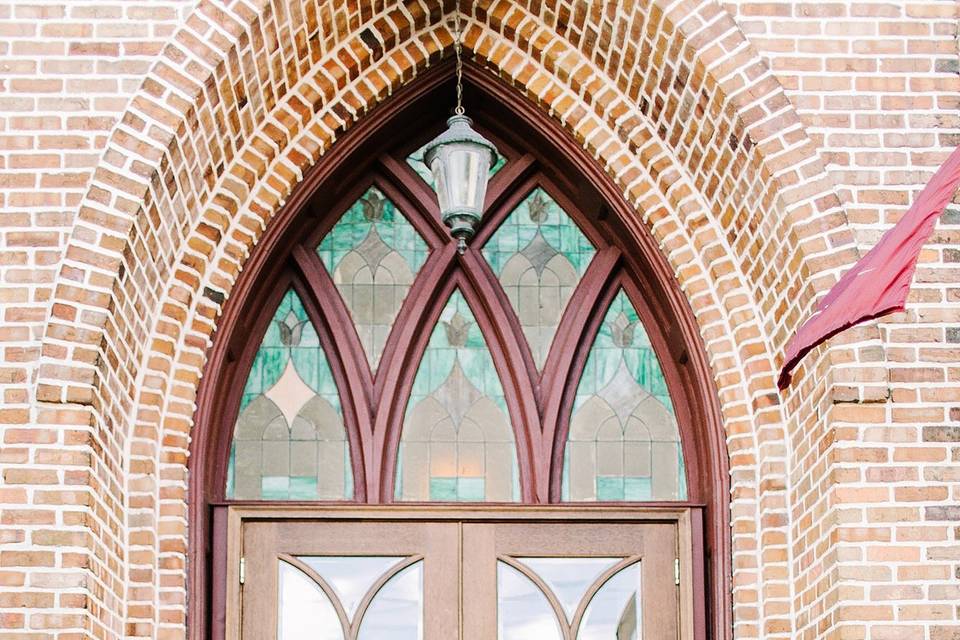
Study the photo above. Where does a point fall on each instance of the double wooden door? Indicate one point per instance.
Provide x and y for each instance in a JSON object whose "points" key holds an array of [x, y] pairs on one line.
{"points": [[487, 576]]}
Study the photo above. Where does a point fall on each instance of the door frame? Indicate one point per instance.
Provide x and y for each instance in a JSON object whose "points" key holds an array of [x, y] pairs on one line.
{"points": [[688, 520]]}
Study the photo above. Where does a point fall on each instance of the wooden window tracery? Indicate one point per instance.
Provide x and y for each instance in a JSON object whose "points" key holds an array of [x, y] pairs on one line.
{"points": [[456, 373]]}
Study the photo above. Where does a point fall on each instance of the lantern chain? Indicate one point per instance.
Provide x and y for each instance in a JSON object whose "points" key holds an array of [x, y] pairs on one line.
{"points": [[457, 50]]}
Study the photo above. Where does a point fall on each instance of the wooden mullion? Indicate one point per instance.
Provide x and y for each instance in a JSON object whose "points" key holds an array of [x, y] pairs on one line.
{"points": [[502, 207], [515, 366], [418, 198], [415, 303], [405, 348], [345, 356], [568, 357], [501, 189]]}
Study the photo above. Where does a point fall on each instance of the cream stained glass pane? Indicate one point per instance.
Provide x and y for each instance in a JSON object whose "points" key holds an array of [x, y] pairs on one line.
{"points": [[539, 255], [457, 442], [373, 254], [289, 441], [624, 442]]}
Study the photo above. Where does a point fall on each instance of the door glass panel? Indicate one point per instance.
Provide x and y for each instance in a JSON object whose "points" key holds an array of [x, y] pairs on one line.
{"points": [[396, 611], [289, 441], [373, 254], [624, 442], [523, 611], [569, 578], [305, 611], [539, 255], [614, 611], [457, 442], [350, 576], [415, 160]]}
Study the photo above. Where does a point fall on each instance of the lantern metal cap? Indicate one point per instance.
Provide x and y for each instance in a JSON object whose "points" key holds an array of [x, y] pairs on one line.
{"points": [[459, 129]]}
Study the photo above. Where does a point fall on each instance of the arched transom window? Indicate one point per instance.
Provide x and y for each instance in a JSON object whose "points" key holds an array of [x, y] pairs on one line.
{"points": [[386, 367]]}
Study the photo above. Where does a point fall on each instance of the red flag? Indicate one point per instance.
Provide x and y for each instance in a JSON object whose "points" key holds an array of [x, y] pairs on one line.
{"points": [[879, 283]]}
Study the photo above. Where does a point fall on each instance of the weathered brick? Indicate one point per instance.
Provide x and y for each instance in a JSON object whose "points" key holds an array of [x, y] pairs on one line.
{"points": [[941, 434]]}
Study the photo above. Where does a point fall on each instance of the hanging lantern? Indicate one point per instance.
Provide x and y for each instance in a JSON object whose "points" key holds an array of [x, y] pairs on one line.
{"points": [[460, 160]]}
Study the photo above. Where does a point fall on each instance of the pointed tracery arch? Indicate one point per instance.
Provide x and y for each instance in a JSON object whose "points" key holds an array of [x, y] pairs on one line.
{"points": [[467, 385]]}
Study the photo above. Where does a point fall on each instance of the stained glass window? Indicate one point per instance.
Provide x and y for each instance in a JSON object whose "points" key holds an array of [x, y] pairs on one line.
{"points": [[415, 160], [624, 443], [289, 441], [373, 254], [539, 254], [457, 441]]}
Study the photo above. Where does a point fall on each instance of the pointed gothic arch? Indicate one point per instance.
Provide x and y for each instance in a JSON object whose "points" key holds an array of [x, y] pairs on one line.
{"points": [[537, 401]]}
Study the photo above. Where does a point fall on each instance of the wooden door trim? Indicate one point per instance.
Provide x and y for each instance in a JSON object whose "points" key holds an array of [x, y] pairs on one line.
{"points": [[473, 512]]}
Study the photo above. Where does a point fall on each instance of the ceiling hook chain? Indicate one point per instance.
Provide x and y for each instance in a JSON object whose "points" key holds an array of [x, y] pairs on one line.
{"points": [[457, 48]]}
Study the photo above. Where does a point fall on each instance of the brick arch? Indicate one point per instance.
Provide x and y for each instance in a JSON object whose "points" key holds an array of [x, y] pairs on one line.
{"points": [[189, 181]]}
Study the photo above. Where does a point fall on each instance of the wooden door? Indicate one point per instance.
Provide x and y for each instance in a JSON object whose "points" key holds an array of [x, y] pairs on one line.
{"points": [[570, 581], [459, 574], [350, 580]]}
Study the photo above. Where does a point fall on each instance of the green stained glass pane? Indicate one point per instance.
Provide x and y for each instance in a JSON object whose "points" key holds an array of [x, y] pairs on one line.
{"points": [[415, 160], [457, 442], [624, 442], [637, 489], [539, 255], [274, 487], [609, 488], [470, 489], [303, 488], [289, 441], [373, 254], [618, 488], [443, 489], [456, 490]]}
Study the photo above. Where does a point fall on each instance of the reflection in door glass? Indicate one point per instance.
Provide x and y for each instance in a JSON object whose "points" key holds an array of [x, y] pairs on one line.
{"points": [[305, 611], [569, 578], [523, 611], [396, 612], [350, 576], [614, 612]]}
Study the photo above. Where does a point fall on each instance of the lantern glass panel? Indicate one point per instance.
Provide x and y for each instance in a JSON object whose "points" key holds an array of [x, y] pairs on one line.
{"points": [[461, 171]]}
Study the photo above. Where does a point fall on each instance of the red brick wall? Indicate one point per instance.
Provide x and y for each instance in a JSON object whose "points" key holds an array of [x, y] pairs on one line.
{"points": [[877, 88], [67, 72], [144, 146]]}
